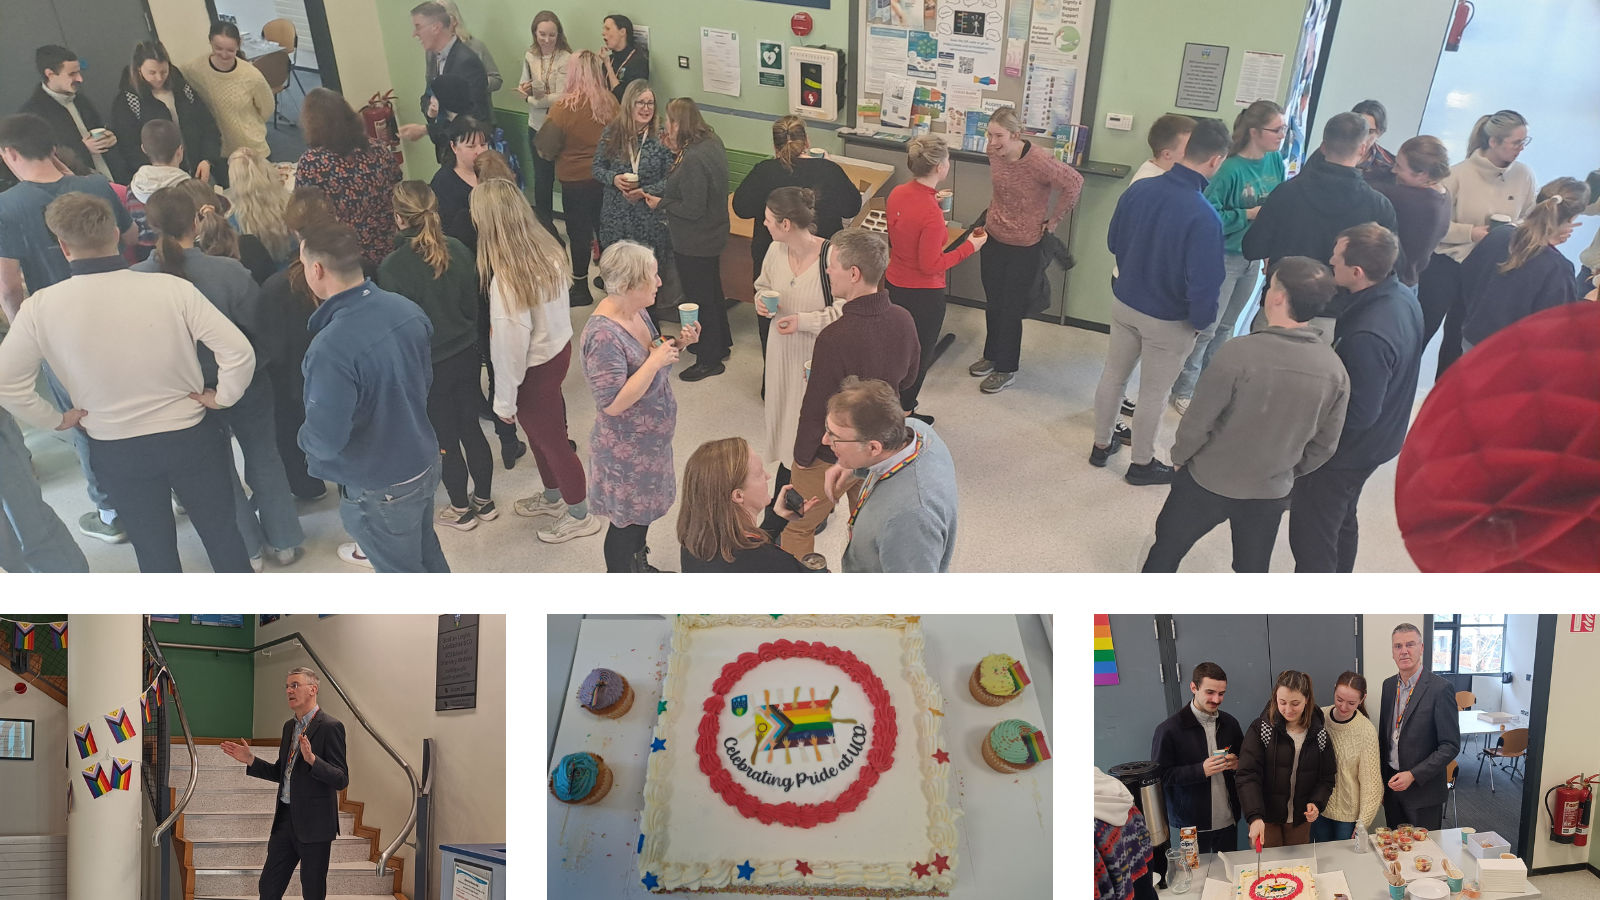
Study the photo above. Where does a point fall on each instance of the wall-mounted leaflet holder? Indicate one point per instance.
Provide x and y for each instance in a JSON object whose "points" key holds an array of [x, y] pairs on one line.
{"points": [[816, 83]]}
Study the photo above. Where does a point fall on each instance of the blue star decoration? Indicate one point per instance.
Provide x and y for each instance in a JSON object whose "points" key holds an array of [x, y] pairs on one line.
{"points": [[641, 845], [658, 744], [649, 880], [746, 870]]}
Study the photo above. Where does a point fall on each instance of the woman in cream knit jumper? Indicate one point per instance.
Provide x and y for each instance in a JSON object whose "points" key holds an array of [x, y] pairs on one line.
{"points": [[236, 93], [1358, 790]]}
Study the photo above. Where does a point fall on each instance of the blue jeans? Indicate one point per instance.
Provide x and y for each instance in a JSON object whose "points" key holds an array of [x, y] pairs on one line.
{"points": [[80, 440], [32, 537], [1238, 286], [1325, 829], [394, 525], [268, 515]]}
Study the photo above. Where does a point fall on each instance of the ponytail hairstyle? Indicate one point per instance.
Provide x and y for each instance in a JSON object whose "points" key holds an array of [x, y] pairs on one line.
{"points": [[789, 140], [796, 204], [171, 212], [214, 237], [516, 254], [1560, 202], [1254, 116], [1498, 126], [1299, 683], [925, 154], [490, 164], [416, 207], [1006, 117], [1355, 681], [587, 82]]}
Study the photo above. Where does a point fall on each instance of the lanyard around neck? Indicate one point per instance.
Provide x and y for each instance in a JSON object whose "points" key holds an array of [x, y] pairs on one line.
{"points": [[893, 470]]}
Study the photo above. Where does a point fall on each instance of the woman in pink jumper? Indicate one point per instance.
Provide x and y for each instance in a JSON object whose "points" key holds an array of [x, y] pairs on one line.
{"points": [[1012, 262]]}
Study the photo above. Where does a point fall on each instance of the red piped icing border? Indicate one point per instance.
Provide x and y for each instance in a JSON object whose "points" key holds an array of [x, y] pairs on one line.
{"points": [[880, 753]]}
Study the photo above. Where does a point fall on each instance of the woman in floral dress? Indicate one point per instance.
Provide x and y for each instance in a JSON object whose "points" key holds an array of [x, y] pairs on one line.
{"points": [[627, 363], [356, 174]]}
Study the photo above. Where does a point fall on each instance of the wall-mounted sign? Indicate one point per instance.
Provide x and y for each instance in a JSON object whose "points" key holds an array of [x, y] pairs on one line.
{"points": [[1200, 79], [456, 685]]}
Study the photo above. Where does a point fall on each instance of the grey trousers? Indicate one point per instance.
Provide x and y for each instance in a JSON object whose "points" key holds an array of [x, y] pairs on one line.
{"points": [[1238, 287], [1159, 348]]}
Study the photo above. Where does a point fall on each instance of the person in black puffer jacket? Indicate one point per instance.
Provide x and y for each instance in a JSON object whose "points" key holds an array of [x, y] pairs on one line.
{"points": [[153, 88], [1286, 765]]}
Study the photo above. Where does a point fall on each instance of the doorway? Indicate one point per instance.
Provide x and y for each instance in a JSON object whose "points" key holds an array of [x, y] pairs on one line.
{"points": [[298, 29]]}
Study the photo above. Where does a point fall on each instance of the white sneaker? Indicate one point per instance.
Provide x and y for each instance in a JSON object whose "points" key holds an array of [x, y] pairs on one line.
{"points": [[1181, 404], [537, 505], [566, 528], [459, 519], [258, 565], [351, 553]]}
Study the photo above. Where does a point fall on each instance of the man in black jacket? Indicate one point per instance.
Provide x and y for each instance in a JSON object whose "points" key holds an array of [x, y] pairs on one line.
{"points": [[431, 25], [1197, 750], [1379, 337], [1304, 215], [311, 771], [1419, 734], [72, 117]]}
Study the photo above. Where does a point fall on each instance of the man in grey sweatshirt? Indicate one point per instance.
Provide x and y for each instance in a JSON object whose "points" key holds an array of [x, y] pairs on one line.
{"points": [[905, 520], [1268, 409]]}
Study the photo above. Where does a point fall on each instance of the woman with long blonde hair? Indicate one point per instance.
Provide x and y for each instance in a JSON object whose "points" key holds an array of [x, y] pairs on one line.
{"points": [[631, 148], [569, 138], [1534, 275], [256, 191], [530, 346], [435, 272]]}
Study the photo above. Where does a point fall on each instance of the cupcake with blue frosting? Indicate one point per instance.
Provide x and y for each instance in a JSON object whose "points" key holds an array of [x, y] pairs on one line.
{"points": [[580, 779], [606, 693]]}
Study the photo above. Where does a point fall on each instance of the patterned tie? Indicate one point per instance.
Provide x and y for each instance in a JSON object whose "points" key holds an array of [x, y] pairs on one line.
{"points": [[294, 748]]}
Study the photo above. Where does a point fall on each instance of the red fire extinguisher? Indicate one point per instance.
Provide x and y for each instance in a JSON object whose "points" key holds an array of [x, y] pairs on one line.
{"points": [[1463, 14], [1569, 819], [378, 118]]}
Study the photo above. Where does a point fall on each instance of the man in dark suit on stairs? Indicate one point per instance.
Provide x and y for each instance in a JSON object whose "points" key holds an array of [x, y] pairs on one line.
{"points": [[311, 771]]}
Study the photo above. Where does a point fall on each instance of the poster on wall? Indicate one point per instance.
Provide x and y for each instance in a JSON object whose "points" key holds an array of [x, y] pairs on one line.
{"points": [[456, 676], [1259, 77], [233, 621], [1200, 77], [1047, 98], [173, 618], [885, 56], [267, 618], [769, 63], [1017, 24], [470, 882], [719, 61], [922, 56], [913, 14], [970, 33]]}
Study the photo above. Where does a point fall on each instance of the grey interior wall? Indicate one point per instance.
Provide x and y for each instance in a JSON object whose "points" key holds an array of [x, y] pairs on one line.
{"points": [[1522, 632], [1385, 51], [101, 32]]}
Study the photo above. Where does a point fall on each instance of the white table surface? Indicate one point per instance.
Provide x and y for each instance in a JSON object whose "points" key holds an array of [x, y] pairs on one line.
{"points": [[1362, 871], [1471, 724], [1004, 852]]}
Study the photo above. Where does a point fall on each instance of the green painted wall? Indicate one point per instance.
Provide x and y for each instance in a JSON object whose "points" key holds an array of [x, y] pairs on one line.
{"points": [[1141, 55], [218, 688]]}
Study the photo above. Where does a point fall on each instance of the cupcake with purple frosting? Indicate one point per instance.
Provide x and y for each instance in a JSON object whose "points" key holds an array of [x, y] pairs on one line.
{"points": [[606, 693]]}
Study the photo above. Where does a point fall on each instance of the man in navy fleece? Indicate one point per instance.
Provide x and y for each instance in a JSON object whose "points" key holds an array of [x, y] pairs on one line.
{"points": [[1168, 242], [367, 373]]}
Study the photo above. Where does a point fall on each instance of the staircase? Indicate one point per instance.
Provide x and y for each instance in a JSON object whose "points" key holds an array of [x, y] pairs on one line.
{"points": [[221, 838]]}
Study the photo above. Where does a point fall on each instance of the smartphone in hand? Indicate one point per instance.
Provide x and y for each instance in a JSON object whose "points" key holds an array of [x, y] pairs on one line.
{"points": [[793, 500]]}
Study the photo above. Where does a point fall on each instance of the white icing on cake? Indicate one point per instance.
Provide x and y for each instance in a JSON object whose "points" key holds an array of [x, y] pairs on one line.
{"points": [[1282, 889], [694, 840]]}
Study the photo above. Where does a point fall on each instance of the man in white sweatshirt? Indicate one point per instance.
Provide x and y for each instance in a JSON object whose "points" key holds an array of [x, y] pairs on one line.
{"points": [[122, 344]]}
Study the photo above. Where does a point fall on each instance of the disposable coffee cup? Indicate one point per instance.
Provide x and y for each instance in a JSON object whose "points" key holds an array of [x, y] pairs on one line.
{"points": [[769, 302], [98, 132], [816, 153], [688, 314], [808, 370], [630, 179]]}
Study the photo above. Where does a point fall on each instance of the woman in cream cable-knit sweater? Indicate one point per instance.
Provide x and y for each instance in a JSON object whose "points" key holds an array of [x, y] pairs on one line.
{"points": [[1358, 792]]}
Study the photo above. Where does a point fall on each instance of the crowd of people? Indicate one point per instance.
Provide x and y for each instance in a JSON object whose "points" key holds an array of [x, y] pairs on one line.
{"points": [[346, 329]]}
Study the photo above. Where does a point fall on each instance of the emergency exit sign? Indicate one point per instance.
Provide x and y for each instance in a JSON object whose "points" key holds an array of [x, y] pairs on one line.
{"points": [[1582, 623]]}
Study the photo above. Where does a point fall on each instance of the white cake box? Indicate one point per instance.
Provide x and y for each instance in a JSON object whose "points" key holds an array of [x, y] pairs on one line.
{"points": [[1495, 718], [1487, 845]]}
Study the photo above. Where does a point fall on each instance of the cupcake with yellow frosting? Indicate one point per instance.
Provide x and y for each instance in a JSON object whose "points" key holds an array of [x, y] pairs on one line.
{"points": [[581, 779], [1014, 746], [997, 679]]}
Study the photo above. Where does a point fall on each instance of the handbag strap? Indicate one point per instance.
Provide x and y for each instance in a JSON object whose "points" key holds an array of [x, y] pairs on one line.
{"points": [[822, 273]]}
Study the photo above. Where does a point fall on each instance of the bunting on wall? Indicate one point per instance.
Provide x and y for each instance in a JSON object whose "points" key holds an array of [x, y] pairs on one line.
{"points": [[121, 774], [59, 629], [1105, 655], [22, 635], [85, 737], [120, 726], [98, 781]]}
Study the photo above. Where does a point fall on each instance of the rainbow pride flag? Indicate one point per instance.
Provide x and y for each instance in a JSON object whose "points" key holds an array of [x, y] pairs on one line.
{"points": [[799, 724], [1019, 676], [1034, 743], [121, 774], [120, 725], [98, 781], [85, 736], [1105, 652], [147, 710], [22, 635], [59, 629]]}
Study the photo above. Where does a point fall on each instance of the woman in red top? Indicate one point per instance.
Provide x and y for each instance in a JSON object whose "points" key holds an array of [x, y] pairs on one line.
{"points": [[917, 258]]}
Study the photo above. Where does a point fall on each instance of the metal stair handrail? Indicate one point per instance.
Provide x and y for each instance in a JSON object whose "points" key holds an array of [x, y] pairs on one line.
{"points": [[416, 789], [153, 647]]}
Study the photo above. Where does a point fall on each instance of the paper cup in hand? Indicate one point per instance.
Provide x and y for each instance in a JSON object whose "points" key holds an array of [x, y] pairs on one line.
{"points": [[808, 370], [630, 179], [946, 200], [688, 314], [817, 153], [768, 301]]}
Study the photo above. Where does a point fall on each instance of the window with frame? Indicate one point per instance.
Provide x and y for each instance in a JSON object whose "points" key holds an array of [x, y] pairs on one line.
{"points": [[16, 739], [1469, 643]]}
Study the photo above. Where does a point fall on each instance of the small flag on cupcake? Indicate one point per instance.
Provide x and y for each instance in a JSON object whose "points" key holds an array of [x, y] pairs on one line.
{"points": [[1033, 743]]}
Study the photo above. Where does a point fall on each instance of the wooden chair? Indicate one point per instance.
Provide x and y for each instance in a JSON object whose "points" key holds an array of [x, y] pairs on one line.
{"points": [[1465, 699], [1450, 773], [1513, 745], [282, 32], [274, 67]]}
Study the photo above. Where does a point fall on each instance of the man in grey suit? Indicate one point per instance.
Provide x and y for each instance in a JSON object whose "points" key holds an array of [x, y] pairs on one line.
{"points": [[1418, 734]]}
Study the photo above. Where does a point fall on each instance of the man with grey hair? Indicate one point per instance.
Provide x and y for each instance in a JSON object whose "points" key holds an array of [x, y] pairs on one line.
{"points": [[1418, 734], [311, 771], [872, 338]]}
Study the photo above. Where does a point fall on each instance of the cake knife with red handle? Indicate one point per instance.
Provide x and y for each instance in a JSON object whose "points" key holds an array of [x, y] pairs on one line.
{"points": [[1258, 857]]}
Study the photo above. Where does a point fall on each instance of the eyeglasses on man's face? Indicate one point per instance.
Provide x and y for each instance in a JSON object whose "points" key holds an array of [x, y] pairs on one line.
{"points": [[835, 439]]}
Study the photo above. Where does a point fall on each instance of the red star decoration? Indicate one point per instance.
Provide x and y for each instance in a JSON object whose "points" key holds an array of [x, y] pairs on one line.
{"points": [[920, 870], [801, 867], [941, 862], [942, 755]]}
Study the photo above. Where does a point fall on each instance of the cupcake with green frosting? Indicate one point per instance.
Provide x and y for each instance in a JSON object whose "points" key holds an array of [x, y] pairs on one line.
{"points": [[997, 679], [1014, 746], [580, 779]]}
